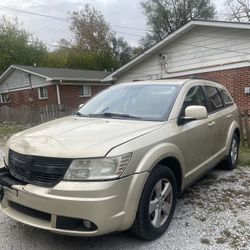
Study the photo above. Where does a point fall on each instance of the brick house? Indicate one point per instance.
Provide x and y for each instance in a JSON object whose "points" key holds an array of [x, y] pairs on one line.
{"points": [[218, 51], [39, 86]]}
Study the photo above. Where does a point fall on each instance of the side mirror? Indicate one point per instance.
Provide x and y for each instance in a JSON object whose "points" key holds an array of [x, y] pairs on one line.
{"points": [[193, 113], [196, 112]]}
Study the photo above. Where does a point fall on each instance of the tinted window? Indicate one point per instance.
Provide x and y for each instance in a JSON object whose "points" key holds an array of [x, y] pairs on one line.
{"points": [[142, 101], [194, 96], [226, 97], [214, 98]]}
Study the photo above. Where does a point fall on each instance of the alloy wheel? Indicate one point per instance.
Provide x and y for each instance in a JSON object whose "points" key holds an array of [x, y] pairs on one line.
{"points": [[234, 151], [160, 202]]}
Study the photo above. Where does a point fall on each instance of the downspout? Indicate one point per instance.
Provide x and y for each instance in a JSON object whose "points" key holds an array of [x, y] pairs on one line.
{"points": [[32, 95], [58, 93]]}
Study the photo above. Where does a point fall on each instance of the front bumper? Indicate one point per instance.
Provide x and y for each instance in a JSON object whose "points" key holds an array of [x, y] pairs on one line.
{"points": [[110, 205]]}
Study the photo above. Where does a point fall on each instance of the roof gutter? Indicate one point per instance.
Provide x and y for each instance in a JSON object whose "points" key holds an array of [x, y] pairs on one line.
{"points": [[75, 79]]}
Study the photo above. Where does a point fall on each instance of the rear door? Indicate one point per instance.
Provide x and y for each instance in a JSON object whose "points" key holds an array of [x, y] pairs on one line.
{"points": [[216, 114], [229, 114]]}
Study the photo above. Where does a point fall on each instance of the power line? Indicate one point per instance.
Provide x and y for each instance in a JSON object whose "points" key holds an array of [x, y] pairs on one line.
{"points": [[223, 49], [35, 14], [129, 27], [148, 53], [130, 34], [67, 20]]}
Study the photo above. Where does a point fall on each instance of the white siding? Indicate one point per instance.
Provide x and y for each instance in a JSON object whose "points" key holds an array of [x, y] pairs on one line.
{"points": [[19, 80], [200, 48]]}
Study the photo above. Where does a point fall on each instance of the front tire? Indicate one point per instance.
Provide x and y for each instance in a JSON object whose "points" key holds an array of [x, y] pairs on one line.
{"points": [[157, 204]]}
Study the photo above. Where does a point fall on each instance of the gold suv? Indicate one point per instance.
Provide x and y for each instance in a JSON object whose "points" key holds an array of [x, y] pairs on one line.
{"points": [[121, 160]]}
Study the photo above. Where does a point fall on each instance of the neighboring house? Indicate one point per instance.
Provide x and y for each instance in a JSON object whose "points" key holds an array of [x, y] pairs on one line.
{"points": [[219, 51], [38, 86]]}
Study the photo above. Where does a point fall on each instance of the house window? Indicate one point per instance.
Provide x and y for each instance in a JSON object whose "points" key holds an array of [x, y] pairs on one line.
{"points": [[43, 93], [85, 91], [5, 97]]}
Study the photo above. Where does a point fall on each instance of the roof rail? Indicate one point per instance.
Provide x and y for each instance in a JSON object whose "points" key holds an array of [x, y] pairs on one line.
{"points": [[201, 78]]}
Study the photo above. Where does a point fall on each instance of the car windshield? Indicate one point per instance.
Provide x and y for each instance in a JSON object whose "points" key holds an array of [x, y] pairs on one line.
{"points": [[138, 102]]}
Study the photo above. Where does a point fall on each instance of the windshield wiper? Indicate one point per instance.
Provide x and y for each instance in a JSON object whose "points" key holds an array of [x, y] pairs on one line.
{"points": [[118, 115]]}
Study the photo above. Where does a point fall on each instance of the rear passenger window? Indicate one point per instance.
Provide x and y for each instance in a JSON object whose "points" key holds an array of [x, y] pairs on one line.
{"points": [[215, 101], [226, 97], [194, 96]]}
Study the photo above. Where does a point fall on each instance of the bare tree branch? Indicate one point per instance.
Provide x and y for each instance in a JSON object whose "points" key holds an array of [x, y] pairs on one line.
{"points": [[240, 10]]}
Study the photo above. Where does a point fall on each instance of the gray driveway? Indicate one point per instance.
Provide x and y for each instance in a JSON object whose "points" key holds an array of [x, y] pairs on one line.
{"points": [[213, 214]]}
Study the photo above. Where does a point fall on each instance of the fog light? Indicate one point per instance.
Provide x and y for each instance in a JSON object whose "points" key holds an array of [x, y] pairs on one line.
{"points": [[75, 224], [1, 192], [87, 224]]}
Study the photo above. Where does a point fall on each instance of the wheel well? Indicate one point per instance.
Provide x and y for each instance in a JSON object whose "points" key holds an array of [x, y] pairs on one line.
{"points": [[173, 164], [237, 132]]}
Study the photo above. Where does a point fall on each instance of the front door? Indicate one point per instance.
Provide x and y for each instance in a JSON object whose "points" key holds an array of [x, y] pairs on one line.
{"points": [[194, 139]]}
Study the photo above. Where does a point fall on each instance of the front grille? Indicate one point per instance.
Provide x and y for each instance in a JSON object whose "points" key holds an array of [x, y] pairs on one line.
{"points": [[30, 211], [41, 171]]}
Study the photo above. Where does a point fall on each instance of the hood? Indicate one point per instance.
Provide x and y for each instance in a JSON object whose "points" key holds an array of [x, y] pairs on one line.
{"points": [[78, 137]]}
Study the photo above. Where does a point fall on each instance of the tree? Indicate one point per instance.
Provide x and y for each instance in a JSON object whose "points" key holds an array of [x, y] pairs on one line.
{"points": [[240, 10], [17, 46], [93, 35], [75, 58], [166, 16], [121, 50], [90, 29]]}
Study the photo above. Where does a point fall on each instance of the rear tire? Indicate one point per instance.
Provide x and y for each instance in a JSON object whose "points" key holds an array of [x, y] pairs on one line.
{"points": [[157, 204], [231, 161]]}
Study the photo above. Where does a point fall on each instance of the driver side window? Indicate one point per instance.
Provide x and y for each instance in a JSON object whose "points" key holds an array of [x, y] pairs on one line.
{"points": [[194, 96]]}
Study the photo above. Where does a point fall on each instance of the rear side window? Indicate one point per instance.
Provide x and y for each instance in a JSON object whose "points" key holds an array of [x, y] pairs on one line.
{"points": [[214, 99], [194, 96], [226, 97]]}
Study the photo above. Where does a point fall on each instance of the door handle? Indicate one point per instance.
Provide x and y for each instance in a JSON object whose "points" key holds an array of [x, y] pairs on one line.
{"points": [[210, 124], [228, 116]]}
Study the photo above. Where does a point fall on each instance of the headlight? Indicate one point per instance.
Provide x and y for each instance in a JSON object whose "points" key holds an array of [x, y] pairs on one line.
{"points": [[97, 169]]}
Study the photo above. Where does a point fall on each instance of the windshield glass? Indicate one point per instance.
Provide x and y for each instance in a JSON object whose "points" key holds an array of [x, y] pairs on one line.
{"points": [[139, 102]]}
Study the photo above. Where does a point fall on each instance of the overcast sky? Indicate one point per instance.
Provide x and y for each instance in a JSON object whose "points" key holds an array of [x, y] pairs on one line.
{"points": [[117, 12]]}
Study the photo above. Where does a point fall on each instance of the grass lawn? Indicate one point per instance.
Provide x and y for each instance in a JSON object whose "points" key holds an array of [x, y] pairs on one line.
{"points": [[6, 130], [244, 156]]}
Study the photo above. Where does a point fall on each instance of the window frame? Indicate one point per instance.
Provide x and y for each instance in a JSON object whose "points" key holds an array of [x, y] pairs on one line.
{"points": [[209, 108], [82, 94], [39, 93], [187, 91], [226, 104]]}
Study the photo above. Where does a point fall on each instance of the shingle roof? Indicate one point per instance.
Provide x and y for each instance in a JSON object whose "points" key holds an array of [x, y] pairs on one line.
{"points": [[65, 74]]}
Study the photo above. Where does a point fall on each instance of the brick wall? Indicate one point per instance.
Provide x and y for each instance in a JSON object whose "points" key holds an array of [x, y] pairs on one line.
{"points": [[235, 80], [70, 96], [30, 97]]}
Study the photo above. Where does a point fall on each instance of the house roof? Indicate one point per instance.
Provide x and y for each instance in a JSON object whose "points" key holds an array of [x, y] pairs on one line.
{"points": [[170, 38], [57, 74]]}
